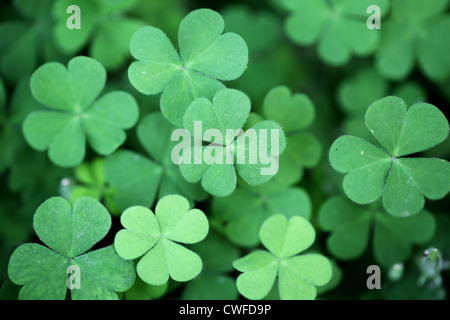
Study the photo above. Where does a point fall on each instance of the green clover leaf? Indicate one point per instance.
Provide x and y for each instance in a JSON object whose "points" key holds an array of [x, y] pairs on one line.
{"points": [[338, 26], [298, 275], [104, 25], [70, 231], [149, 177], [245, 154], [402, 182], [243, 212], [155, 237], [350, 226], [77, 115], [426, 43], [206, 56]]}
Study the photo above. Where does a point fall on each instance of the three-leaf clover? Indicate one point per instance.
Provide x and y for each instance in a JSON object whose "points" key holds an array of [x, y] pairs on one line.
{"points": [[253, 154], [297, 274], [206, 56], [402, 182], [418, 32], [77, 115], [69, 232], [351, 227], [155, 237], [149, 178], [103, 24], [338, 26], [243, 212]]}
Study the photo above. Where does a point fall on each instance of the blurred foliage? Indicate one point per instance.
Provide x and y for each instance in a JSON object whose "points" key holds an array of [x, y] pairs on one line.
{"points": [[313, 66]]}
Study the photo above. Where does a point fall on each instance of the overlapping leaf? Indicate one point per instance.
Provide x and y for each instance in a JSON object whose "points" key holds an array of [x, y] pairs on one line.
{"points": [[149, 178], [295, 113], [252, 154]]}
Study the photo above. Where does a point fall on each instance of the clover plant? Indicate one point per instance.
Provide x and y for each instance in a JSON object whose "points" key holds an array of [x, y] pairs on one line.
{"points": [[247, 153], [402, 182], [69, 232], [174, 150], [156, 236], [76, 113], [297, 274]]}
